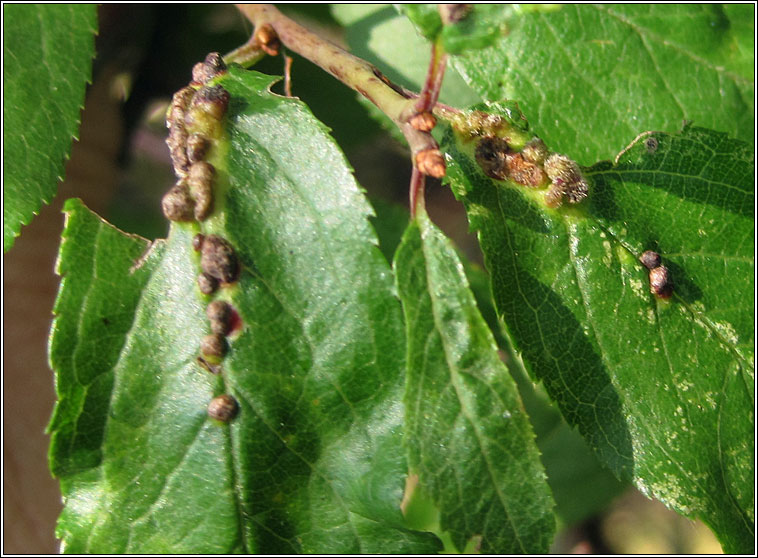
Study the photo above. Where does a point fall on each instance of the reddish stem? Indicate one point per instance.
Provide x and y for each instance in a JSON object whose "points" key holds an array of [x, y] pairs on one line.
{"points": [[431, 91], [418, 180], [426, 102]]}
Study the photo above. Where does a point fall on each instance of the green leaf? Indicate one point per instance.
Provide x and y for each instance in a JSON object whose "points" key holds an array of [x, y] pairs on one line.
{"points": [[84, 351], [389, 222], [581, 486], [379, 34], [589, 77], [469, 440], [476, 25], [47, 53], [478, 28], [314, 460], [661, 389]]}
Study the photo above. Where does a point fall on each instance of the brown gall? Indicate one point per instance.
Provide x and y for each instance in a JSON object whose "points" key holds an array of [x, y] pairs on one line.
{"points": [[177, 204], [207, 284], [218, 259], [220, 315], [650, 259], [223, 408], [660, 282], [490, 154], [213, 347], [431, 163]]}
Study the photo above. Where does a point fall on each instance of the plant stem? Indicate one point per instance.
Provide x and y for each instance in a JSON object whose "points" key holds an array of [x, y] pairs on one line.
{"points": [[426, 103], [431, 91], [416, 191], [246, 55], [287, 75], [350, 70], [394, 101]]}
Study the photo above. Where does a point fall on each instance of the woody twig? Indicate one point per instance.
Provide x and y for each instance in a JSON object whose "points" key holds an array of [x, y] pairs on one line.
{"points": [[412, 113]]}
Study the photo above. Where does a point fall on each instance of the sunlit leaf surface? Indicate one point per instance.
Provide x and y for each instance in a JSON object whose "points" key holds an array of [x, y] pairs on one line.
{"points": [[314, 460], [662, 389]]}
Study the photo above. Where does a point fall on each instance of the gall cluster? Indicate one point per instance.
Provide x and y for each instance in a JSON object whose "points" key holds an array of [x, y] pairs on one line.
{"points": [[193, 119], [534, 167], [194, 122]]}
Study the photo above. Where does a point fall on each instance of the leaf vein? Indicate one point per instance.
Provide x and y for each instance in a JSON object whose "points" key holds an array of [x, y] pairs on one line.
{"points": [[469, 416]]}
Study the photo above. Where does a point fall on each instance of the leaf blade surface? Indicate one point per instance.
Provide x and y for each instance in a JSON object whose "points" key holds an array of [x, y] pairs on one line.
{"points": [[646, 380], [591, 76], [48, 59], [470, 441], [313, 462]]}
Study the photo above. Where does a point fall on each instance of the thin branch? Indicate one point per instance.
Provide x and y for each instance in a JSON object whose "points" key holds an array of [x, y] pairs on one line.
{"points": [[416, 191], [429, 162], [394, 101], [431, 92], [350, 70]]}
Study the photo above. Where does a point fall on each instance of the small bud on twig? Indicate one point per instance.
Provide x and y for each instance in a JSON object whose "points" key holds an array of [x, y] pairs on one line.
{"points": [[267, 39], [423, 121], [431, 163]]}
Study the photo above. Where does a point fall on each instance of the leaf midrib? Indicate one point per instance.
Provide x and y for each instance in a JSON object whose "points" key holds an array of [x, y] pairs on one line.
{"points": [[454, 372]]}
